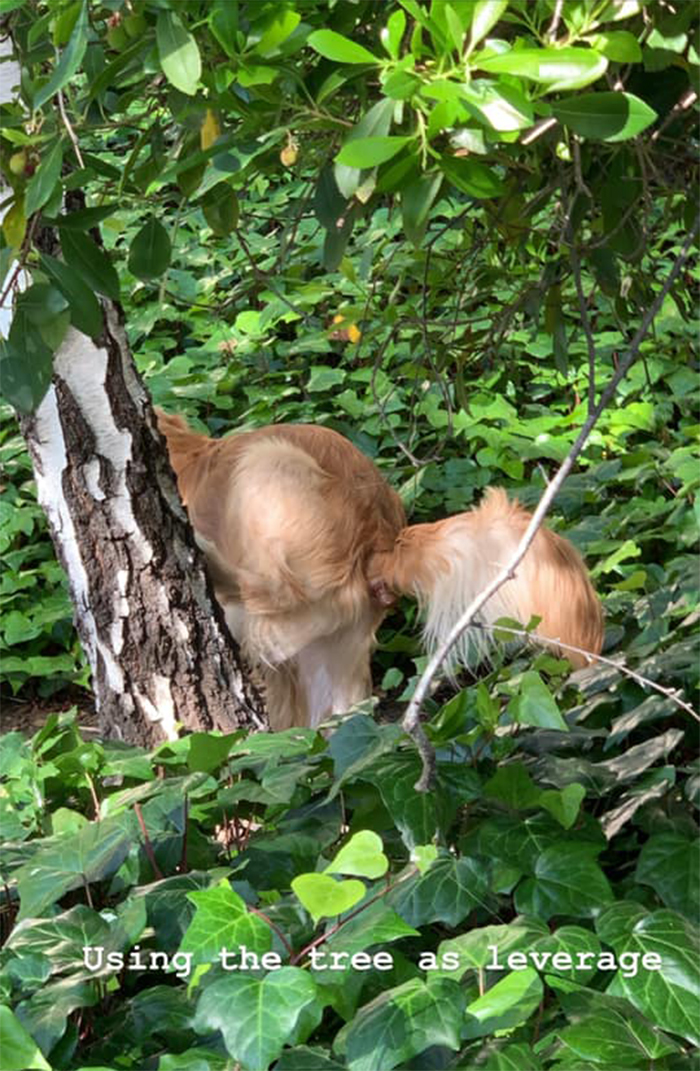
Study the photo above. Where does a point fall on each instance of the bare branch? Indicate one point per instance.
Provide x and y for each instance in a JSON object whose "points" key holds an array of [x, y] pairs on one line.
{"points": [[556, 19], [411, 720], [671, 694], [69, 129]]}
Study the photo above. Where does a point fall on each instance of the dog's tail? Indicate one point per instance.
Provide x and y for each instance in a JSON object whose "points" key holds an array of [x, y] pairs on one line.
{"points": [[445, 565]]}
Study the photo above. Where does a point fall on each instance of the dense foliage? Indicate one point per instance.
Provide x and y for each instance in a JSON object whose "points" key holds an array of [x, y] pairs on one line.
{"points": [[431, 229]]}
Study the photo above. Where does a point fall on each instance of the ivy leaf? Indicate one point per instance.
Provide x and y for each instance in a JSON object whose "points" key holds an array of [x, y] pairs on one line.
{"points": [[474, 950], [506, 1005], [150, 251], [362, 856], [403, 1022], [536, 705], [669, 863], [282, 1008], [178, 53], [564, 805], [334, 46], [70, 60], [303, 1058], [66, 862], [567, 881], [374, 925], [20, 1051], [513, 785], [447, 892], [324, 897], [605, 116], [667, 996], [607, 1031], [46, 1012], [222, 920]]}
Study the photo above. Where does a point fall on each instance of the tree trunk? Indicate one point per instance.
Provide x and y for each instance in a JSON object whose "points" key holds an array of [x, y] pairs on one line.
{"points": [[160, 652]]}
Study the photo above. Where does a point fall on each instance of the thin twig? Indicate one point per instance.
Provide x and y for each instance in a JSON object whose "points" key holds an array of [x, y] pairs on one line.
{"points": [[276, 929], [686, 101], [585, 318], [411, 721], [69, 129], [556, 19], [147, 843], [545, 641], [541, 127]]}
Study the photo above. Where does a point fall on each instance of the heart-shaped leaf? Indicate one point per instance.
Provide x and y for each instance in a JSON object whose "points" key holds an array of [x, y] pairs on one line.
{"points": [[361, 856], [324, 897]]}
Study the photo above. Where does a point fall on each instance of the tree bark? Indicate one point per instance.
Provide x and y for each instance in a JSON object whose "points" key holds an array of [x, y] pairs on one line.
{"points": [[160, 653]]}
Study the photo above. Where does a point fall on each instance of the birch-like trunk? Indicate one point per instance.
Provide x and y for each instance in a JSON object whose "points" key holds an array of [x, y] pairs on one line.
{"points": [[159, 650]]}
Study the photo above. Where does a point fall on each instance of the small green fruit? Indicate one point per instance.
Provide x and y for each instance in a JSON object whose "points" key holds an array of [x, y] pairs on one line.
{"points": [[135, 24], [18, 162]]}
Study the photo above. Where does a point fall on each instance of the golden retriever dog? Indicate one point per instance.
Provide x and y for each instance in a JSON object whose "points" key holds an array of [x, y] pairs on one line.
{"points": [[307, 547]]}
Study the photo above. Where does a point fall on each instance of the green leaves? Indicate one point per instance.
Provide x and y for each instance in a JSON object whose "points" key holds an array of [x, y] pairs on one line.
{"points": [[485, 15], [605, 116], [19, 1050], [324, 897], [93, 265], [220, 207], [535, 705], [557, 69], [471, 177], [282, 1008], [70, 60], [506, 1005], [666, 992], [85, 311], [150, 251], [43, 182], [402, 1023], [361, 856], [567, 881], [222, 921], [334, 46], [178, 53], [92, 854], [669, 863], [369, 152]]}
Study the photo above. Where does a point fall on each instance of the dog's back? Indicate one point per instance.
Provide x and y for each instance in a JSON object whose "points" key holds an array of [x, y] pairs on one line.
{"points": [[290, 517]]}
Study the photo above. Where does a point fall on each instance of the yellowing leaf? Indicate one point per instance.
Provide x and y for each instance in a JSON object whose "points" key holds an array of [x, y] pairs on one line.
{"points": [[209, 130], [15, 224]]}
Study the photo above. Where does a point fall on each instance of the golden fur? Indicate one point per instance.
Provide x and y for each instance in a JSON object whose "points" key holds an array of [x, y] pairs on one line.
{"points": [[308, 545]]}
